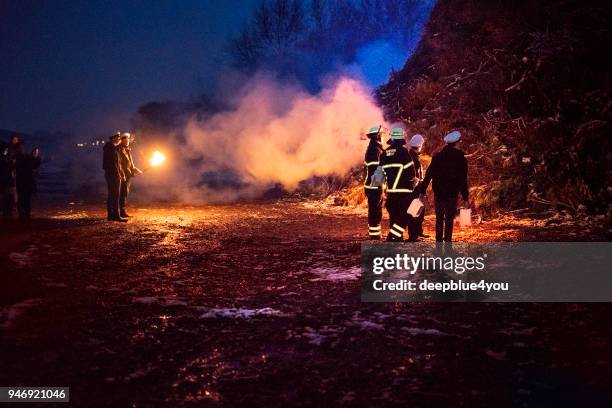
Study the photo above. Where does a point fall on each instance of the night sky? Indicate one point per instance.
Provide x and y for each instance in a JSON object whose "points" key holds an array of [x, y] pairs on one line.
{"points": [[73, 65]]}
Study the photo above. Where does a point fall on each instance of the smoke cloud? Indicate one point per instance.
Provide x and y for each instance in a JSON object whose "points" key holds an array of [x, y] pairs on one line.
{"points": [[271, 134]]}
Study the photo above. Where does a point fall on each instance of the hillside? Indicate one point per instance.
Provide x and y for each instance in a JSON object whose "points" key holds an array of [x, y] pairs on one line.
{"points": [[528, 82]]}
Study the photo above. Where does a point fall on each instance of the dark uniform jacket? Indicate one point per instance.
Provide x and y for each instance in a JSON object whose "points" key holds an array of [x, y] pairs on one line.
{"points": [[398, 165], [126, 162], [372, 159], [14, 149], [448, 170], [417, 165], [8, 159], [6, 167], [111, 162], [26, 172]]}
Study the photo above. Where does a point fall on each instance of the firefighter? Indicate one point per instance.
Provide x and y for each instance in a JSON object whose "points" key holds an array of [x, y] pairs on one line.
{"points": [[26, 172], [114, 177], [373, 192], [448, 171], [416, 224], [399, 170], [129, 170]]}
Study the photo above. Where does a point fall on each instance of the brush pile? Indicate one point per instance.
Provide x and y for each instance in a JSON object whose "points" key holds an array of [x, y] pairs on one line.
{"points": [[528, 83]]}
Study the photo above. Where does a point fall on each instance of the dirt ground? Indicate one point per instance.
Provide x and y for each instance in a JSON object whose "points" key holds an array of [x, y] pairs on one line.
{"points": [[258, 305]]}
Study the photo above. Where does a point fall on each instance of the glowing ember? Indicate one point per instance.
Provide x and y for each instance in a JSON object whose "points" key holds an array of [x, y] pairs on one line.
{"points": [[157, 159]]}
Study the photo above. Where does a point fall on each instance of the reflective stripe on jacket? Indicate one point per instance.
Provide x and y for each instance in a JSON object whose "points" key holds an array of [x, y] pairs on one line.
{"points": [[399, 168], [371, 162]]}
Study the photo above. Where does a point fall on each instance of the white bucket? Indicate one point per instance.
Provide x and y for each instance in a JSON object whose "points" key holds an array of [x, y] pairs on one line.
{"points": [[416, 208], [465, 217]]}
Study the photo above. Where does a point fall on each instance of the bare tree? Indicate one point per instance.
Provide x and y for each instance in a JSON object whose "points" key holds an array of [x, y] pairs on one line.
{"points": [[281, 29], [245, 49], [274, 31]]}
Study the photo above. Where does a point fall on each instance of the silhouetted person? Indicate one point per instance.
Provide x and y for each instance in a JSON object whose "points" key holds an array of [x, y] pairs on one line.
{"points": [[448, 170], [15, 145], [26, 174], [114, 177], [6, 181], [129, 170], [8, 158]]}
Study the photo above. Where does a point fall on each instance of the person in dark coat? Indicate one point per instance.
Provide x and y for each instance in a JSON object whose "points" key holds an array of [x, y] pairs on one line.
{"points": [[26, 174], [129, 170], [400, 174], [372, 192], [114, 177], [7, 183], [15, 146], [448, 171], [8, 158]]}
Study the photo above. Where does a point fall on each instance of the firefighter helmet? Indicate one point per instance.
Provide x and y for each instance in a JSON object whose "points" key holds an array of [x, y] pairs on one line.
{"points": [[417, 140], [374, 129], [397, 134]]}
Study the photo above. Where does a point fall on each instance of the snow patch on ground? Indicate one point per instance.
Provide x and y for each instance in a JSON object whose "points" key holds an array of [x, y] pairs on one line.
{"points": [[500, 356], [157, 300], [313, 336], [25, 258], [317, 337], [415, 331], [241, 313], [366, 324], [335, 274], [9, 314], [140, 373], [529, 331]]}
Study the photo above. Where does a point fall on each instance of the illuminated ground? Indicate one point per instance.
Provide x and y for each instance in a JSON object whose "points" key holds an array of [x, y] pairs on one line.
{"points": [[259, 305]]}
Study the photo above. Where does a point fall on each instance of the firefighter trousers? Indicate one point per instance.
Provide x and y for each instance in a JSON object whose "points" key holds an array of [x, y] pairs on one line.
{"points": [[397, 206], [374, 212], [418, 224], [415, 224]]}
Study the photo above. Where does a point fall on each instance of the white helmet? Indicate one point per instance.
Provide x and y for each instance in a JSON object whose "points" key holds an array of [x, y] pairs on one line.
{"points": [[453, 137], [416, 140]]}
